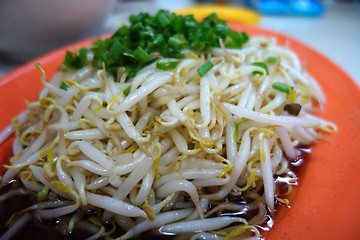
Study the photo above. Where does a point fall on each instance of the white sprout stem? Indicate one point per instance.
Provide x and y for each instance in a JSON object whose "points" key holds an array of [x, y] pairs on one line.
{"points": [[38, 174], [141, 76], [205, 236], [208, 224], [83, 105], [114, 205], [88, 134], [135, 176], [192, 173], [72, 125], [161, 220], [286, 142], [211, 181], [180, 115], [27, 152], [267, 173], [80, 183], [239, 164], [57, 212], [276, 158], [98, 183], [144, 189], [96, 155], [177, 186], [62, 175], [245, 95], [286, 121], [231, 146], [130, 129], [204, 101], [6, 133], [158, 79], [180, 142], [128, 167], [91, 166], [276, 102]]}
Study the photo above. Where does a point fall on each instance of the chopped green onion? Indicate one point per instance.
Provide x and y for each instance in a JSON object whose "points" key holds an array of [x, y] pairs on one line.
{"points": [[178, 23], [43, 193], [222, 28], [142, 55], [177, 41], [163, 19], [159, 41], [74, 61], [282, 87], [64, 86], [238, 39], [203, 69], [262, 65], [127, 90], [271, 60], [166, 64], [116, 50], [131, 47]]}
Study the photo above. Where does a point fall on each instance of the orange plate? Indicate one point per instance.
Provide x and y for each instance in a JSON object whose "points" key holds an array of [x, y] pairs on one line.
{"points": [[326, 203]]}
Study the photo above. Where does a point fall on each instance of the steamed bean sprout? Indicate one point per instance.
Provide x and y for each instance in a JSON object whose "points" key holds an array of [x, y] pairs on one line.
{"points": [[171, 150]]}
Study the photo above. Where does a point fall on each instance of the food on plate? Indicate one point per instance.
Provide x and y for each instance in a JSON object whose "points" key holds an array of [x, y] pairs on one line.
{"points": [[169, 128]]}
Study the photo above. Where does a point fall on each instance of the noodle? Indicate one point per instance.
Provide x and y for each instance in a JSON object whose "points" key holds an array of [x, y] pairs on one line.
{"points": [[172, 150]]}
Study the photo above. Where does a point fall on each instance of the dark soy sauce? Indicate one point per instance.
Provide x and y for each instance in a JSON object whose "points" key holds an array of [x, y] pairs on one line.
{"points": [[44, 230]]}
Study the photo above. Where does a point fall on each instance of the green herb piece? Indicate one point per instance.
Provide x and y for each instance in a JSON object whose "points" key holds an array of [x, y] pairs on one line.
{"points": [[203, 69], [166, 33], [141, 55], [237, 39], [74, 61], [282, 87], [64, 86], [163, 19], [262, 65], [271, 60], [127, 90], [166, 64], [177, 41], [43, 193], [116, 51]]}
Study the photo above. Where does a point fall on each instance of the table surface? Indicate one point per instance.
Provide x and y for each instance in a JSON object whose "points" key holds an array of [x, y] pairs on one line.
{"points": [[336, 34]]}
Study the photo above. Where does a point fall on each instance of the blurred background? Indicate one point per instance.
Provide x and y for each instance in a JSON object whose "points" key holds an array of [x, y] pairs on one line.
{"points": [[29, 30]]}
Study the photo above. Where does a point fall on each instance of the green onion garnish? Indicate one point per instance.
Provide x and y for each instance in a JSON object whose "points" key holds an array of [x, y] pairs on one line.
{"points": [[177, 41], [282, 87], [74, 61], [271, 60], [142, 55], [163, 19], [262, 65], [43, 193], [203, 69], [165, 33], [64, 86], [166, 64], [127, 90]]}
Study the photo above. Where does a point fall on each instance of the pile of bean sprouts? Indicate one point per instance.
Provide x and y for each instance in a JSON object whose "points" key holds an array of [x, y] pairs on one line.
{"points": [[178, 155]]}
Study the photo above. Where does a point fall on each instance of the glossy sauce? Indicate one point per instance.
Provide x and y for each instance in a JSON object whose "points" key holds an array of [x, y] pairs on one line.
{"points": [[40, 230]]}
